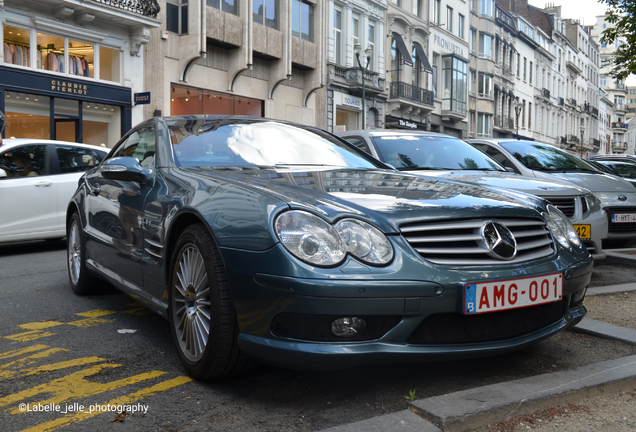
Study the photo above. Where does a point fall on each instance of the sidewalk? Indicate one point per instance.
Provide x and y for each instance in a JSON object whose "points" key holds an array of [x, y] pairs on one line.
{"points": [[479, 407]]}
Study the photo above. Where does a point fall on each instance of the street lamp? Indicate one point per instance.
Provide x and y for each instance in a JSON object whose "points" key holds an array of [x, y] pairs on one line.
{"points": [[367, 52], [517, 106]]}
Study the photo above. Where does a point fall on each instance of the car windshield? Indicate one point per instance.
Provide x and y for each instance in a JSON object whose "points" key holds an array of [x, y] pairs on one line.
{"points": [[543, 157], [250, 143], [413, 152]]}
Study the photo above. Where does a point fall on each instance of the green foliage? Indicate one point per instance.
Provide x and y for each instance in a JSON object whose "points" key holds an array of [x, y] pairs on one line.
{"points": [[622, 28], [411, 396]]}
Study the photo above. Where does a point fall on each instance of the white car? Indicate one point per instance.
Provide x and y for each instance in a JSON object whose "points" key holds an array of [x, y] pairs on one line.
{"points": [[37, 180]]}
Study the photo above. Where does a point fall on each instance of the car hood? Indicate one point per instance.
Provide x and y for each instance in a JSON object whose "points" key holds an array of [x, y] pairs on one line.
{"points": [[498, 179], [593, 182], [386, 198]]}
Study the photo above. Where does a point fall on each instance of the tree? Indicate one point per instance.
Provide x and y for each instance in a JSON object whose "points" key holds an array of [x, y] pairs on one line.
{"points": [[622, 29]]}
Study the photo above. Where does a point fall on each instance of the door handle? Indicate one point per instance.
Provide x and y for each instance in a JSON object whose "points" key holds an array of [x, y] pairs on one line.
{"points": [[43, 184]]}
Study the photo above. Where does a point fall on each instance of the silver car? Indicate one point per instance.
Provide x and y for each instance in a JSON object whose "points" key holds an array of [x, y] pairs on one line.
{"points": [[445, 156], [532, 158]]}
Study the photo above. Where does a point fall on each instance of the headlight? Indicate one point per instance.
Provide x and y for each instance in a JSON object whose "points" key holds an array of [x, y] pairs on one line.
{"points": [[310, 238], [593, 203], [313, 240], [365, 241], [561, 228]]}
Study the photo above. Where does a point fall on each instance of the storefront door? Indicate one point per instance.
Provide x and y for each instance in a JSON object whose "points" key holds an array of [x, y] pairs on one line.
{"points": [[66, 130]]}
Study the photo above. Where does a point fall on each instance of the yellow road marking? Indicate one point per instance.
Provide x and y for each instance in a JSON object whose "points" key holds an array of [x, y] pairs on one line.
{"points": [[96, 313], [89, 322], [123, 400], [21, 351], [139, 309], [39, 325], [75, 386], [29, 336], [16, 369]]}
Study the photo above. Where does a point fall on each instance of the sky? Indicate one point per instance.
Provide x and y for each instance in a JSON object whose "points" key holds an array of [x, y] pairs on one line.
{"points": [[585, 10]]}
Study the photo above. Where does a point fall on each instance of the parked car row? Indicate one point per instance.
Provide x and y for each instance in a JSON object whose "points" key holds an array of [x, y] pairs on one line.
{"points": [[269, 241]]}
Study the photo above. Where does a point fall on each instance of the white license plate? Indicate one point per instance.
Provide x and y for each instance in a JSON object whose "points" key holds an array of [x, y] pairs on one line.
{"points": [[512, 294], [624, 218]]}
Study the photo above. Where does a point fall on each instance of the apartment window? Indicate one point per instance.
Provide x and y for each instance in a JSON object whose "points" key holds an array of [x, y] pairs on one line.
{"points": [[454, 95], [485, 46], [603, 80], [355, 29], [437, 6], [265, 12], [435, 63], [485, 85], [473, 41], [472, 77], [518, 64], [530, 72], [460, 26], [486, 7], [303, 20], [417, 9], [396, 61], [529, 115], [449, 19], [371, 43], [523, 114], [474, 5], [337, 35], [177, 16], [229, 6], [471, 122], [483, 125], [525, 61]]}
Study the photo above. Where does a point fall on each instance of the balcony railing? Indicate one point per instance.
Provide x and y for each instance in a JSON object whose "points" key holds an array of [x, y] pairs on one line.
{"points": [[561, 101], [546, 93], [149, 8], [507, 71], [410, 92], [563, 140], [619, 125], [573, 139], [595, 143], [572, 102]]}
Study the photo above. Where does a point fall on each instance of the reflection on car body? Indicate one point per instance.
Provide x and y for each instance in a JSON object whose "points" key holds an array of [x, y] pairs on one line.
{"points": [[299, 250]]}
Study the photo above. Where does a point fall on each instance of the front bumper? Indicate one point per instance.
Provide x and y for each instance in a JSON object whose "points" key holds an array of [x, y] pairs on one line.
{"points": [[274, 310]]}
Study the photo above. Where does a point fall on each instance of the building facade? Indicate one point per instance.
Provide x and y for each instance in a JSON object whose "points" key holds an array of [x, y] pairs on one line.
{"points": [[69, 70]]}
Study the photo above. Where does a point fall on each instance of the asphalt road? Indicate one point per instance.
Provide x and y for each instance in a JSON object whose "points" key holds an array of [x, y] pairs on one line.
{"points": [[66, 352]]}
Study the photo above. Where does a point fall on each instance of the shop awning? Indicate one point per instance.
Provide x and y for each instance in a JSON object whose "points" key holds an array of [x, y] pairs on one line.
{"points": [[422, 56], [404, 52]]}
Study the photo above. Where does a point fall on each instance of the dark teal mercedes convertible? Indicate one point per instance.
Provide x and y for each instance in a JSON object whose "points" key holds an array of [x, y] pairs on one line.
{"points": [[268, 241]]}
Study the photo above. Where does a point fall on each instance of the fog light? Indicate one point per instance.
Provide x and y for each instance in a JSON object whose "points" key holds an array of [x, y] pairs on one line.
{"points": [[348, 327]]}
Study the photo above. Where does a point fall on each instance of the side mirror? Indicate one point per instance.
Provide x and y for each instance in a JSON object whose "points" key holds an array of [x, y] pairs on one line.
{"points": [[125, 169], [3, 173]]}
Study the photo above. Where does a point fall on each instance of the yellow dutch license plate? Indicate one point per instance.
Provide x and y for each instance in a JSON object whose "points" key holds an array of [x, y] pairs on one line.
{"points": [[584, 231]]}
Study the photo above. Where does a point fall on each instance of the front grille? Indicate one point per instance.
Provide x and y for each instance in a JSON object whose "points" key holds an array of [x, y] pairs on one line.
{"points": [[460, 242], [318, 327], [620, 228], [584, 206], [457, 328], [567, 205]]}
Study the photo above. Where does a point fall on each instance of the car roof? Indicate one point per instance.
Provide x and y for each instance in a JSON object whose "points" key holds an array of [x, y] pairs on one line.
{"points": [[8, 143]]}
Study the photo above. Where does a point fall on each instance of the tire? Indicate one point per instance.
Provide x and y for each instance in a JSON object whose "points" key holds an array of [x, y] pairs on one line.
{"points": [[82, 282], [201, 310]]}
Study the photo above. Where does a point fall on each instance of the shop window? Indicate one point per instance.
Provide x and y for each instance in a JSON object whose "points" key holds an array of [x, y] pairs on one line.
{"points": [[101, 124], [265, 12], [229, 6], [27, 115], [177, 16], [303, 20], [50, 55], [109, 64], [190, 100], [16, 46], [454, 83], [80, 58]]}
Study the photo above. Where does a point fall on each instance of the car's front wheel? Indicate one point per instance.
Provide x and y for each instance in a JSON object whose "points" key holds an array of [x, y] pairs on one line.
{"points": [[201, 311], [82, 282]]}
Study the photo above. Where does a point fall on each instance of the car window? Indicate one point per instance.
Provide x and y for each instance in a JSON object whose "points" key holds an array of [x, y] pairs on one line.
{"points": [[259, 143], [544, 157], [625, 170], [77, 159], [141, 145], [25, 161], [409, 151], [358, 142]]}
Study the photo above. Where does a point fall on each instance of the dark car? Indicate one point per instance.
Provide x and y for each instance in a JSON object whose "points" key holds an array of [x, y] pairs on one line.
{"points": [[263, 240]]}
